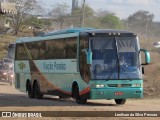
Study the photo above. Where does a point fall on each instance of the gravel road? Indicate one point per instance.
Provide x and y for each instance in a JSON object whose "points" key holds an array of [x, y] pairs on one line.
{"points": [[14, 100]]}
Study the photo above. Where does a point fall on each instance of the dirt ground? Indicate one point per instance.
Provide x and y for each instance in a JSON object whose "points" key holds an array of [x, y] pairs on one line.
{"points": [[14, 100]]}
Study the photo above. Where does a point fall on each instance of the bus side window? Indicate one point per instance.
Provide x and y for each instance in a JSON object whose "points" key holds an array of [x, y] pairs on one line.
{"points": [[32, 49], [59, 50], [40, 50], [36, 50], [49, 54], [20, 52], [71, 48]]}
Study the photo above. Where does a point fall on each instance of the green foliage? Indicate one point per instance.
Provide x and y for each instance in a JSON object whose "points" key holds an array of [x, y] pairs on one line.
{"points": [[140, 20], [104, 19], [37, 22], [93, 22], [60, 13], [89, 17], [111, 21]]}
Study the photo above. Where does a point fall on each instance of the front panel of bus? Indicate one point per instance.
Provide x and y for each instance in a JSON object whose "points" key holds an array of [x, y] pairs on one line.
{"points": [[115, 71]]}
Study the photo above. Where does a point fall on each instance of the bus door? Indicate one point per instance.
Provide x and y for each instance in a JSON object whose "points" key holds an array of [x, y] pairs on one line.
{"points": [[84, 67]]}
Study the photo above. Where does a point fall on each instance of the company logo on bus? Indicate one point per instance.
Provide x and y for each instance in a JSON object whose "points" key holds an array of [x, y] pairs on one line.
{"points": [[21, 65], [54, 66]]}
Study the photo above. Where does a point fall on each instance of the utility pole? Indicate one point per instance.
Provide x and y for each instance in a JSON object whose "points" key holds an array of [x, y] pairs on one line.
{"points": [[74, 5], [83, 10]]}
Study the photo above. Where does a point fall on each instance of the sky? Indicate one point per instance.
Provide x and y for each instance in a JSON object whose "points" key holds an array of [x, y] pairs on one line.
{"points": [[122, 8]]}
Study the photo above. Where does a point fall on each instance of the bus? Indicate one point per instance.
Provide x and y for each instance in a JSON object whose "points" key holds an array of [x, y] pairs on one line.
{"points": [[82, 63]]}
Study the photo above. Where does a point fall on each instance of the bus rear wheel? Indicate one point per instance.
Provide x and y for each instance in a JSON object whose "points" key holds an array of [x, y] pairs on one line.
{"points": [[78, 98], [120, 101], [30, 91], [37, 93]]}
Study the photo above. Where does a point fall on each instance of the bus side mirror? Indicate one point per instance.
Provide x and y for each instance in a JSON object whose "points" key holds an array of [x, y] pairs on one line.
{"points": [[147, 57], [88, 56]]}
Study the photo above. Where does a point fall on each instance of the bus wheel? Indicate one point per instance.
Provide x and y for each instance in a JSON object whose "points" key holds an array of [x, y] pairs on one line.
{"points": [[78, 98], [120, 101], [30, 92], [37, 93]]}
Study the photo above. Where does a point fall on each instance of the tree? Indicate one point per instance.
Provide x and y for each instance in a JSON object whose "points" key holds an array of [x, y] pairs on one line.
{"points": [[109, 20], [80, 19], [60, 13], [24, 7], [39, 22], [83, 11], [140, 21]]}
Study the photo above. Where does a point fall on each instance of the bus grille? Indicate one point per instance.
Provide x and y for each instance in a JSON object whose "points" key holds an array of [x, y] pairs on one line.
{"points": [[119, 85]]}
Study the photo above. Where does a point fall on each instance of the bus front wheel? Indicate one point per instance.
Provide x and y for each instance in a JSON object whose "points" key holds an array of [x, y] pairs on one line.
{"points": [[120, 101], [78, 98], [37, 93]]}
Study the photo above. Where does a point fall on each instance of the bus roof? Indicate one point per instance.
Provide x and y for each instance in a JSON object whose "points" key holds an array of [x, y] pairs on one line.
{"points": [[67, 31], [72, 32], [87, 30]]}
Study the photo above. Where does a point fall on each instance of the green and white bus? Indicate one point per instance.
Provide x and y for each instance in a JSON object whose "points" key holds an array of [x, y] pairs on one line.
{"points": [[82, 63]]}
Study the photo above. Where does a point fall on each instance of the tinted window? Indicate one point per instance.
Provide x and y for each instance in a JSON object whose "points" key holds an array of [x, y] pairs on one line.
{"points": [[20, 52], [71, 48], [50, 50], [53, 49], [36, 50], [59, 50]]}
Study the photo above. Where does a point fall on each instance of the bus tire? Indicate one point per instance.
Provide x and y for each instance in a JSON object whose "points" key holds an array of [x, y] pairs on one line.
{"points": [[30, 91], [37, 92], [78, 98], [120, 101]]}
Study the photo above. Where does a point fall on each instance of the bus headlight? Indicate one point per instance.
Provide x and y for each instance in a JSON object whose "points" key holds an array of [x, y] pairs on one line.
{"points": [[99, 86], [137, 85], [12, 76]]}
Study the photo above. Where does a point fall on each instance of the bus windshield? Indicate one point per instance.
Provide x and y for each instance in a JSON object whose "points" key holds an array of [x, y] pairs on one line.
{"points": [[115, 58]]}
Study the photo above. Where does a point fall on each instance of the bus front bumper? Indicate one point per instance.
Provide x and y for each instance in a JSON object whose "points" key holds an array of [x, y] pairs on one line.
{"points": [[116, 93]]}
